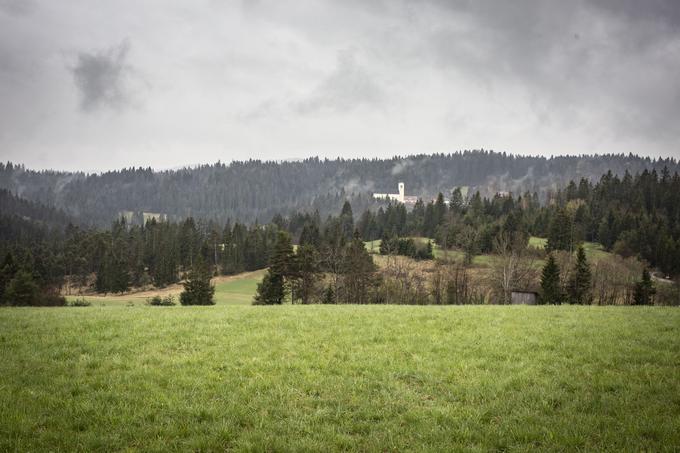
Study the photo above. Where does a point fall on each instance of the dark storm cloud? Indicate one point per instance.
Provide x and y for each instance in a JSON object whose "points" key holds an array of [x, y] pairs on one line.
{"points": [[617, 60], [102, 78], [17, 7], [273, 79], [655, 12]]}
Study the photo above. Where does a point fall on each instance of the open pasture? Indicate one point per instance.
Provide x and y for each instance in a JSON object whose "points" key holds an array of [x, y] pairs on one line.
{"points": [[229, 290], [326, 378]]}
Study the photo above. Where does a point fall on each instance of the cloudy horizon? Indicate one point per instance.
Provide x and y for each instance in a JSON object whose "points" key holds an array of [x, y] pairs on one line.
{"points": [[97, 85]]}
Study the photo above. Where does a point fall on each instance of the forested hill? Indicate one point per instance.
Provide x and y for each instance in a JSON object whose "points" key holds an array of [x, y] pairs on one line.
{"points": [[256, 190]]}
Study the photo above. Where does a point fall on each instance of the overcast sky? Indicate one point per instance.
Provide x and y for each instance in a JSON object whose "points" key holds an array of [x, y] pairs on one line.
{"points": [[96, 85]]}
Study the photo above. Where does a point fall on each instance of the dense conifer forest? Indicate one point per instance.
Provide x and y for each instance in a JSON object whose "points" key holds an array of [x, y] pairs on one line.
{"points": [[255, 190], [44, 249]]}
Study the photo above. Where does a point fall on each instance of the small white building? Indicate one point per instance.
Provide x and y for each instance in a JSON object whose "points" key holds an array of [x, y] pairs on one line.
{"points": [[393, 196]]}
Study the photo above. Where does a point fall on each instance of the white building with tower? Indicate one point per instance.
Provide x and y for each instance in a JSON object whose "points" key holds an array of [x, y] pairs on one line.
{"points": [[401, 197]]}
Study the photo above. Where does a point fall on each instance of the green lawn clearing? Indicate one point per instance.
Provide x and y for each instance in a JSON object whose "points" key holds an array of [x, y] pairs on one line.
{"points": [[329, 378], [229, 290]]}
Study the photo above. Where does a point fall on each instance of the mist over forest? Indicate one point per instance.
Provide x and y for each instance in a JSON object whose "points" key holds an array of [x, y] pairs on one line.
{"points": [[255, 191]]}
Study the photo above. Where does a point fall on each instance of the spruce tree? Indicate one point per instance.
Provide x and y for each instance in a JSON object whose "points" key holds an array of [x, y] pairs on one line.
{"points": [[560, 232], [197, 288], [550, 283], [8, 270], [439, 211], [307, 273], [347, 220], [456, 204], [273, 289], [579, 285], [270, 291], [22, 290], [644, 290], [357, 269], [281, 261], [386, 243]]}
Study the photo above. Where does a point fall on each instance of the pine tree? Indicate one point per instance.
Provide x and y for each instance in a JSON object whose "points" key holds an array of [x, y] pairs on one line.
{"points": [[347, 220], [307, 273], [387, 245], [328, 295], [550, 282], [578, 288], [456, 203], [197, 288], [8, 270], [439, 211], [270, 291], [22, 290], [281, 261], [273, 289], [560, 232], [357, 269], [429, 253], [310, 235], [644, 290]]}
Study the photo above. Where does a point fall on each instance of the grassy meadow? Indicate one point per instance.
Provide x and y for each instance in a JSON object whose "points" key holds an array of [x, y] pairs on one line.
{"points": [[594, 251], [229, 290], [326, 378]]}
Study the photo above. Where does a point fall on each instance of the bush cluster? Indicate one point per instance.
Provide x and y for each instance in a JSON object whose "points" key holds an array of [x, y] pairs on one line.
{"points": [[159, 301]]}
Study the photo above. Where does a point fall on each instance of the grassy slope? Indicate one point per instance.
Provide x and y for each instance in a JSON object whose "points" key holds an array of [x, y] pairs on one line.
{"points": [[340, 377], [237, 289], [594, 251]]}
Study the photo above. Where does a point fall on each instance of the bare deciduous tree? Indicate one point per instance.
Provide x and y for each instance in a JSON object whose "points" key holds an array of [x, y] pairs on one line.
{"points": [[513, 268]]}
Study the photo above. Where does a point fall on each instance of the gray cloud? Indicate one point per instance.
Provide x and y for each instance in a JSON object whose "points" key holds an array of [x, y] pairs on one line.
{"points": [[102, 78], [269, 79], [17, 7], [348, 87]]}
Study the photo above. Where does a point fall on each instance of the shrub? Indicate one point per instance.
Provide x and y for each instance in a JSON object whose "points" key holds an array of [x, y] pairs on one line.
{"points": [[80, 302], [22, 290], [159, 301], [51, 300], [668, 293]]}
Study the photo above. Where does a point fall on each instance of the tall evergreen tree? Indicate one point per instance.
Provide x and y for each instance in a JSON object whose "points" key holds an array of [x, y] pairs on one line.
{"points": [[306, 274], [456, 204], [551, 292], [578, 288], [274, 286], [439, 210], [357, 269], [270, 291], [347, 220], [560, 231], [22, 290], [644, 290], [197, 288], [8, 270]]}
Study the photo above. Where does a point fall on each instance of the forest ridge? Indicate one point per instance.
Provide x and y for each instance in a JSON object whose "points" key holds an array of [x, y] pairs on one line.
{"points": [[257, 190]]}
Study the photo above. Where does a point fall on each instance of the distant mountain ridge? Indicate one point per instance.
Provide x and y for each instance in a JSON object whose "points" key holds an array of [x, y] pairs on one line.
{"points": [[256, 190]]}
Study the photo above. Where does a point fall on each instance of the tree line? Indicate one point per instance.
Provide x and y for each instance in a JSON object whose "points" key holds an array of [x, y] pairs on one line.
{"points": [[257, 190], [632, 216]]}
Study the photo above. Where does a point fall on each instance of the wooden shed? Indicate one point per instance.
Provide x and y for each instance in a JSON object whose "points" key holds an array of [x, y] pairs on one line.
{"points": [[524, 298]]}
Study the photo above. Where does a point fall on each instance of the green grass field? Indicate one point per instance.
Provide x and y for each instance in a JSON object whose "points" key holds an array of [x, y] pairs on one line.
{"points": [[326, 378], [238, 290], [594, 251]]}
